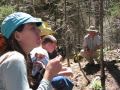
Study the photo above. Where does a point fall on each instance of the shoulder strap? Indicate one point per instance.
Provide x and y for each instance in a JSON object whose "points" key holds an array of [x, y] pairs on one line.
{"points": [[5, 58]]}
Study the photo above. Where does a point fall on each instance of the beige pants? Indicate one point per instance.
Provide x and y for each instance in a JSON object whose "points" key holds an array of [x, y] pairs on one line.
{"points": [[90, 57]]}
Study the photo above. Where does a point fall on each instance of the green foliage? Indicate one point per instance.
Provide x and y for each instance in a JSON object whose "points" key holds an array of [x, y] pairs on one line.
{"points": [[5, 11], [73, 50], [97, 85], [106, 49], [115, 9], [117, 58], [2, 2]]}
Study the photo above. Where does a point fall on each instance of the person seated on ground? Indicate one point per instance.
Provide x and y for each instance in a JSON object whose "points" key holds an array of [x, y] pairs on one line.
{"points": [[49, 45], [22, 35], [91, 45], [3, 44]]}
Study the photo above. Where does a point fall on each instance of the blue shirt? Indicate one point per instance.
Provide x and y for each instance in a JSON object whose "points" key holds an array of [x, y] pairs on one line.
{"points": [[42, 51]]}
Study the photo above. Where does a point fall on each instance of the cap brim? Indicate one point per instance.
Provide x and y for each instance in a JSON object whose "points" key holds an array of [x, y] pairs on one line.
{"points": [[46, 32], [34, 20]]}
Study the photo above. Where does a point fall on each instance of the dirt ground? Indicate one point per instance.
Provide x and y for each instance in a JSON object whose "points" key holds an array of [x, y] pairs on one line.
{"points": [[89, 77]]}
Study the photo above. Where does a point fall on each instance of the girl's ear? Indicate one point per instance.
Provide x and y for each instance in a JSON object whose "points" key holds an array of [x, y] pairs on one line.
{"points": [[17, 35]]}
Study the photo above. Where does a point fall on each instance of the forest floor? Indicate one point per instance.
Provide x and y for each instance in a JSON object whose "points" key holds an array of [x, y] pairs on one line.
{"points": [[89, 77]]}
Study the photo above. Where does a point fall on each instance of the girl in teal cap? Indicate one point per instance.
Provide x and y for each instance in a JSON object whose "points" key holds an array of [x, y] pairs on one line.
{"points": [[20, 30]]}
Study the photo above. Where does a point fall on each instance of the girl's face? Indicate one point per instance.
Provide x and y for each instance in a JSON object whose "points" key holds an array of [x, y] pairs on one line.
{"points": [[29, 38]]}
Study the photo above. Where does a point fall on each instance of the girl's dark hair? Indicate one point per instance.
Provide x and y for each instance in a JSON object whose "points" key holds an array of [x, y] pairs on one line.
{"points": [[13, 45], [12, 42]]}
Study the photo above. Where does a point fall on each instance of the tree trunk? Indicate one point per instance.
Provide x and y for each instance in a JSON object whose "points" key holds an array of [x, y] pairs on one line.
{"points": [[101, 50]]}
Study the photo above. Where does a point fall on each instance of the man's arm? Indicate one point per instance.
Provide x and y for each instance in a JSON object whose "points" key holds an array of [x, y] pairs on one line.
{"points": [[96, 48], [86, 48]]}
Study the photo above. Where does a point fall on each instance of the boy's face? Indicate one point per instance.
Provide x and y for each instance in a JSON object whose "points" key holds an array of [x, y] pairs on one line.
{"points": [[51, 47]]}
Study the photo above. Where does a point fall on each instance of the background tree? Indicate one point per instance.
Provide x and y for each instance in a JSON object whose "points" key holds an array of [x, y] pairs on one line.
{"points": [[80, 14]]}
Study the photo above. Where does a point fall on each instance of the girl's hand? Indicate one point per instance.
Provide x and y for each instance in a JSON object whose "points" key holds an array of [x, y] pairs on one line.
{"points": [[53, 67], [66, 71]]}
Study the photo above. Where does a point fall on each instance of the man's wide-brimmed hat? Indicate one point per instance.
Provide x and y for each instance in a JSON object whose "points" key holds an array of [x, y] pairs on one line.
{"points": [[92, 28], [46, 29]]}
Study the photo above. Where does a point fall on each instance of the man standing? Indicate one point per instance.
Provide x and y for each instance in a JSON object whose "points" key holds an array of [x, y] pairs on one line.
{"points": [[91, 45]]}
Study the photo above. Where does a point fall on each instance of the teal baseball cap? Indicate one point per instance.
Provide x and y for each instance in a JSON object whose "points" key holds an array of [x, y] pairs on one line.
{"points": [[12, 21]]}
